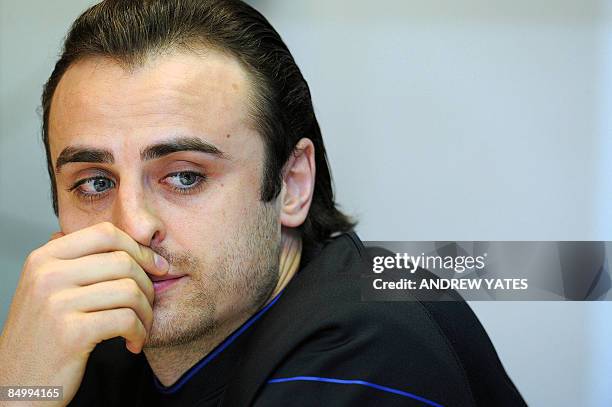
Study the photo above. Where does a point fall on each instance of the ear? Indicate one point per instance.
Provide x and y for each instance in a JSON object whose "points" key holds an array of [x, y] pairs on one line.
{"points": [[298, 184]]}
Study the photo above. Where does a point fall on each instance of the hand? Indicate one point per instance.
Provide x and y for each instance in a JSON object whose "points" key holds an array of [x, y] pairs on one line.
{"points": [[74, 292]]}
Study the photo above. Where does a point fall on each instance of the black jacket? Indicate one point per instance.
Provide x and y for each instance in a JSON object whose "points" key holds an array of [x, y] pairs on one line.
{"points": [[319, 344]]}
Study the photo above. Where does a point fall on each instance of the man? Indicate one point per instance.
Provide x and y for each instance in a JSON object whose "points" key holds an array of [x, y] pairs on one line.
{"points": [[198, 224]]}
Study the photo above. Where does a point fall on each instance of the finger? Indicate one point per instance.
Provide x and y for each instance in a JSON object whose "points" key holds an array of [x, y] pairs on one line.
{"points": [[105, 237], [122, 322], [108, 295], [100, 267], [56, 235]]}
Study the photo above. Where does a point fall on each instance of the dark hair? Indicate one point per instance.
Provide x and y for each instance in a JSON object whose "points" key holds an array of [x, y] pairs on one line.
{"points": [[128, 31]]}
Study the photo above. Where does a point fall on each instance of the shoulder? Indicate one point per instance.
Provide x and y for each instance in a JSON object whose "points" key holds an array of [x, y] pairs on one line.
{"points": [[384, 352], [321, 335], [328, 292]]}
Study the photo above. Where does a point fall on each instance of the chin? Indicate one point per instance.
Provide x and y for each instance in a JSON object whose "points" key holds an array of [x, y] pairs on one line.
{"points": [[176, 324]]}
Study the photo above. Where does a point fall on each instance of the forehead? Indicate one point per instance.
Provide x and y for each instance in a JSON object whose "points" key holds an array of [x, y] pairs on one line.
{"points": [[102, 103]]}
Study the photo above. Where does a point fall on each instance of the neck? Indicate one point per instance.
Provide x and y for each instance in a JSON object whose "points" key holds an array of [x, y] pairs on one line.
{"points": [[169, 363], [291, 254]]}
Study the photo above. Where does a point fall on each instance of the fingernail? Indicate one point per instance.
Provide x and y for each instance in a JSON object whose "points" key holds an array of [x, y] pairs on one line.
{"points": [[160, 262]]}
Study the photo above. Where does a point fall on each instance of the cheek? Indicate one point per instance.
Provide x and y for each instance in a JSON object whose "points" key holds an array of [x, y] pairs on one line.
{"points": [[218, 218], [72, 218], [75, 213]]}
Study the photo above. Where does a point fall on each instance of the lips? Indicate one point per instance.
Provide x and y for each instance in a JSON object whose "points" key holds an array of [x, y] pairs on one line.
{"points": [[161, 284], [165, 278]]}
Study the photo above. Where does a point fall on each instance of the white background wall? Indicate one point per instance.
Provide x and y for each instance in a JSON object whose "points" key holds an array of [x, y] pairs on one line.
{"points": [[443, 119]]}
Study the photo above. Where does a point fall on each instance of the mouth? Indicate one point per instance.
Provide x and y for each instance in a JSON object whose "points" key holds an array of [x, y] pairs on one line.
{"points": [[164, 283]]}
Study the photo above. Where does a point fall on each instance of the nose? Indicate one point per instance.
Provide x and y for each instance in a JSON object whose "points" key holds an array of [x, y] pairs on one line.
{"points": [[134, 214]]}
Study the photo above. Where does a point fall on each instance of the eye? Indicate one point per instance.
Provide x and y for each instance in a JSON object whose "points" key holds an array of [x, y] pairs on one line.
{"points": [[184, 181], [93, 186]]}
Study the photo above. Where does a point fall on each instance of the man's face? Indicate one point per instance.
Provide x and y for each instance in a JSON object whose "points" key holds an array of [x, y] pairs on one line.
{"points": [[167, 153]]}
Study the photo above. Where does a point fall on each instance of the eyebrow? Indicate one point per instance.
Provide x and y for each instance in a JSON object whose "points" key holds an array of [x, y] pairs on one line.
{"points": [[94, 155]]}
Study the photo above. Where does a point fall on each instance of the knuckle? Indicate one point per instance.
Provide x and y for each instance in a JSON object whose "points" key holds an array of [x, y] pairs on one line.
{"points": [[53, 315], [128, 319], [34, 259], [123, 260], [52, 276], [132, 288], [107, 229], [43, 282], [54, 305]]}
